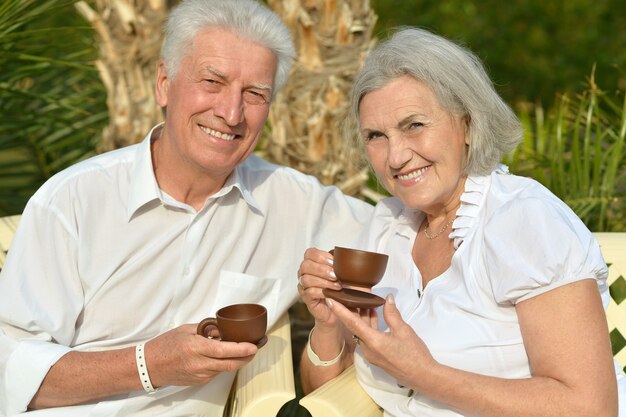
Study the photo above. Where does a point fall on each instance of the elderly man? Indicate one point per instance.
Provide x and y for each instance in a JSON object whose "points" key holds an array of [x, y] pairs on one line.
{"points": [[118, 257]]}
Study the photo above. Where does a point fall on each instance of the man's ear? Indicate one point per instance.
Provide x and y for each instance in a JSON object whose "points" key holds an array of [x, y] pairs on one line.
{"points": [[162, 85]]}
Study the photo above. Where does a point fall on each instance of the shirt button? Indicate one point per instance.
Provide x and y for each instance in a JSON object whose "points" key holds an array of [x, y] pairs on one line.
{"points": [[186, 271]]}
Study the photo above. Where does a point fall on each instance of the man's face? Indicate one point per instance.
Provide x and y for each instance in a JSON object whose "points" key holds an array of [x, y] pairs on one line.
{"points": [[217, 104]]}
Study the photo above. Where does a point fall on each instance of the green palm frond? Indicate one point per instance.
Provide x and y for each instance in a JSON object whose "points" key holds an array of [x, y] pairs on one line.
{"points": [[577, 151], [52, 102]]}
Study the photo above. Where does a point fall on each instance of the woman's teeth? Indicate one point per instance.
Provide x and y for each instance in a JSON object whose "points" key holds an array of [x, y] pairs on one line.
{"points": [[413, 174]]}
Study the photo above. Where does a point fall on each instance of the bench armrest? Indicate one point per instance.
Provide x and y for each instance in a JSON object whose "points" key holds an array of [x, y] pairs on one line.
{"points": [[341, 397], [265, 384]]}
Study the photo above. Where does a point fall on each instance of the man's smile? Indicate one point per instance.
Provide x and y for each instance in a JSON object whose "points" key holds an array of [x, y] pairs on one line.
{"points": [[217, 134]]}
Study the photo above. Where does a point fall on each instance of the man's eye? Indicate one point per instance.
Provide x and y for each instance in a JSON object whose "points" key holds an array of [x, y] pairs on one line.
{"points": [[255, 97], [212, 84], [415, 125]]}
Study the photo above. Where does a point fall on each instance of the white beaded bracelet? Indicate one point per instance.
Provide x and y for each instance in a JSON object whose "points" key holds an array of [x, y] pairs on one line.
{"points": [[315, 360], [143, 369]]}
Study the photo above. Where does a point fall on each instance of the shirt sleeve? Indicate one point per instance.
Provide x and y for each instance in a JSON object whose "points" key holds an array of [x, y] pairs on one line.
{"points": [[534, 245], [337, 219], [40, 299]]}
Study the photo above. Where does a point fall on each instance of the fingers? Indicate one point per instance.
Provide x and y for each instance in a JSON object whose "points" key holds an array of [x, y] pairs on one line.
{"points": [[211, 346], [317, 263], [357, 324], [219, 349], [215, 356], [181, 357], [369, 317], [316, 271], [392, 315]]}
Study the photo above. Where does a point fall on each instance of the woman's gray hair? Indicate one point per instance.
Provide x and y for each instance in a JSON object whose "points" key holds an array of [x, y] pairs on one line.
{"points": [[247, 18], [458, 80]]}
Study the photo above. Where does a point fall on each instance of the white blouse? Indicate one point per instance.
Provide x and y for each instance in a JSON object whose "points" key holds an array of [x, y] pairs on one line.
{"points": [[514, 240]]}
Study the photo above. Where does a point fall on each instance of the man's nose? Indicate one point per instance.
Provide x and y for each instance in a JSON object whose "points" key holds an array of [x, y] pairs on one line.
{"points": [[229, 107]]}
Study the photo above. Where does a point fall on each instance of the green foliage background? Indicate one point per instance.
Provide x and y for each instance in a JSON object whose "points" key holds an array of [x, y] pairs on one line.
{"points": [[532, 48], [52, 103]]}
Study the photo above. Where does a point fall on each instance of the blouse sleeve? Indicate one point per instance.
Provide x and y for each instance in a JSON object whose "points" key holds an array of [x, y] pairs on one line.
{"points": [[534, 245]]}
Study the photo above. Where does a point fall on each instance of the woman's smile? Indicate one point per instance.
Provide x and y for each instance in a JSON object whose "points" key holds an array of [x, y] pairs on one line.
{"points": [[412, 176]]}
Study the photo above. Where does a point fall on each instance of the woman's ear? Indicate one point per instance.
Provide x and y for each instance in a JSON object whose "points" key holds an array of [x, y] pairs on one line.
{"points": [[466, 124]]}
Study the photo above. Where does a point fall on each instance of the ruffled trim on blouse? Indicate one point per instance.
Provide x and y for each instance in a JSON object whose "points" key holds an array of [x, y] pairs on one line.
{"points": [[476, 188]]}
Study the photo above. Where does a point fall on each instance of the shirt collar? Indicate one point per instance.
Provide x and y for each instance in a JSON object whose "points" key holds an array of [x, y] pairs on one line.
{"points": [[143, 185], [145, 189], [240, 181]]}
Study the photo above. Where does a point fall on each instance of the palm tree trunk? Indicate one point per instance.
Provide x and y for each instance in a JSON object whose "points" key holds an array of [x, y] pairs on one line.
{"points": [[130, 41], [306, 119]]}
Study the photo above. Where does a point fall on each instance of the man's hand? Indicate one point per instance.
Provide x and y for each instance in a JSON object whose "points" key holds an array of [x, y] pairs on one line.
{"points": [[177, 357], [181, 357]]}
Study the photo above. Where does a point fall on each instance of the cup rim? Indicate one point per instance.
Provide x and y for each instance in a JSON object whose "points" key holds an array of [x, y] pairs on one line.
{"points": [[261, 312], [361, 251]]}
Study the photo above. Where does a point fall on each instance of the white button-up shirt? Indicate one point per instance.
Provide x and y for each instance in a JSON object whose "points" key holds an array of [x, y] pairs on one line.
{"points": [[104, 259]]}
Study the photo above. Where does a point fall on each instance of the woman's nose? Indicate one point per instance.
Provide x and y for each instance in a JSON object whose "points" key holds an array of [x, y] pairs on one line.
{"points": [[399, 152]]}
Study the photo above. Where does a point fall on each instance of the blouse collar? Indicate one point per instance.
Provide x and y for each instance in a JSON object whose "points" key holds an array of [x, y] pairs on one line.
{"points": [[472, 200]]}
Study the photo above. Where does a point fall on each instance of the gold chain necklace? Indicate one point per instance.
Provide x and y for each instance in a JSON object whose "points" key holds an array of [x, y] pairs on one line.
{"points": [[431, 237]]}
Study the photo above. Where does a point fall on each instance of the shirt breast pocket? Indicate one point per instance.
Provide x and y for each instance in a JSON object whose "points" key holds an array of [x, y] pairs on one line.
{"points": [[237, 288]]}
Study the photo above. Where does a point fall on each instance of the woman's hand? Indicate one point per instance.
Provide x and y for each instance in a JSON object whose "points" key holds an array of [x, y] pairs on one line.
{"points": [[399, 351], [328, 339], [315, 274]]}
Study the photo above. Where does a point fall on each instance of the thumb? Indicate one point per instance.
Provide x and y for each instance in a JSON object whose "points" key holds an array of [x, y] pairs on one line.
{"points": [[392, 315]]}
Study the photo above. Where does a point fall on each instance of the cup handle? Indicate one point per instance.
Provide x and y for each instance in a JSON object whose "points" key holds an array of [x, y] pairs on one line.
{"points": [[210, 321]]}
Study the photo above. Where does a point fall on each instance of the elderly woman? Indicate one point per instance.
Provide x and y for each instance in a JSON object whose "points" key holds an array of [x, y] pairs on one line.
{"points": [[494, 288]]}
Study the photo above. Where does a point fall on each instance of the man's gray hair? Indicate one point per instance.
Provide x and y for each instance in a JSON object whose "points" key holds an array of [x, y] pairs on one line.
{"points": [[458, 80], [246, 18]]}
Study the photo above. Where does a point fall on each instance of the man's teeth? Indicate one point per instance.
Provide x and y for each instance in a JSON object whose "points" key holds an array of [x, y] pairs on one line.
{"points": [[217, 134], [413, 174]]}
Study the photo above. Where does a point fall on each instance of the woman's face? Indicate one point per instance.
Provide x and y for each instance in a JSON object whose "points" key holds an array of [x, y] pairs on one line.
{"points": [[417, 149]]}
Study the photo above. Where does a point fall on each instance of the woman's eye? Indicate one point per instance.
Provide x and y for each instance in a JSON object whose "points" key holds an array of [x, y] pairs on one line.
{"points": [[373, 135]]}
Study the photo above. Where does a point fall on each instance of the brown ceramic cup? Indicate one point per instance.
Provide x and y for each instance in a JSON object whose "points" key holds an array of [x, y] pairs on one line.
{"points": [[359, 268], [238, 323]]}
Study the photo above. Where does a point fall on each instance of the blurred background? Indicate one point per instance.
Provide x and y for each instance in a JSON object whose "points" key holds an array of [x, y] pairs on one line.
{"points": [[77, 79]]}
